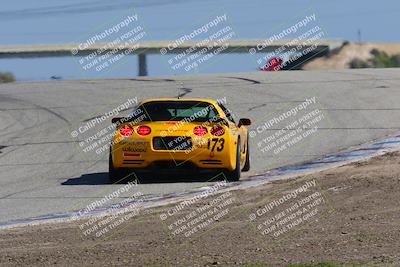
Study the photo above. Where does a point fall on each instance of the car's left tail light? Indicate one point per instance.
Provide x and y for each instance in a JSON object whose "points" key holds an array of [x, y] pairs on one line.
{"points": [[200, 130], [143, 130], [126, 130]]}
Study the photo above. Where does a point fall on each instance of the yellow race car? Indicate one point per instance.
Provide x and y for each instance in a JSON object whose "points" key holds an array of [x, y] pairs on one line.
{"points": [[179, 135]]}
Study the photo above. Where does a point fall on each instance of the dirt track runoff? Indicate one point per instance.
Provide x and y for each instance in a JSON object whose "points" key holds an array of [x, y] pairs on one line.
{"points": [[44, 170], [356, 223]]}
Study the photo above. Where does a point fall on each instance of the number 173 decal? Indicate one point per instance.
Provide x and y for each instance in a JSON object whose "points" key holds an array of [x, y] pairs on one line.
{"points": [[216, 143]]}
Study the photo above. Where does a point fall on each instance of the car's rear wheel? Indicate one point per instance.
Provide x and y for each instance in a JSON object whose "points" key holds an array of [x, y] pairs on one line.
{"points": [[114, 175], [233, 176], [247, 164]]}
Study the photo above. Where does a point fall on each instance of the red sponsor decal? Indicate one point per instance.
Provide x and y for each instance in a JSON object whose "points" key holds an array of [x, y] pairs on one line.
{"points": [[126, 154]]}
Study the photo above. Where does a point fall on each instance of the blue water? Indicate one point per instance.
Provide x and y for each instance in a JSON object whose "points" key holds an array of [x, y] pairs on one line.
{"points": [[57, 21]]}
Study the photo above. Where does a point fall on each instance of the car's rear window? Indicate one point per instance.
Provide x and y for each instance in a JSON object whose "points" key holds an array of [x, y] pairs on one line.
{"points": [[176, 111]]}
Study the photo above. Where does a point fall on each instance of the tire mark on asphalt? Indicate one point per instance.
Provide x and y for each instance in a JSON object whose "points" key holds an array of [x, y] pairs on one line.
{"points": [[152, 80], [45, 142], [57, 107], [17, 146], [245, 79], [22, 191], [35, 125], [52, 163], [186, 91], [39, 107], [252, 81], [258, 106], [54, 113]]}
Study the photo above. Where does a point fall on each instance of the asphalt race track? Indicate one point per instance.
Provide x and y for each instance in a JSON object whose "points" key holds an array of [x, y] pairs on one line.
{"points": [[44, 170]]}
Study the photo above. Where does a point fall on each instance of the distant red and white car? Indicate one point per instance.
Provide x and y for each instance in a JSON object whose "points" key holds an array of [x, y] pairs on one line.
{"points": [[274, 64]]}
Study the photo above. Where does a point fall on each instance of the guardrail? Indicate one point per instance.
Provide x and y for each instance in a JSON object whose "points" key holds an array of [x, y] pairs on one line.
{"points": [[321, 47]]}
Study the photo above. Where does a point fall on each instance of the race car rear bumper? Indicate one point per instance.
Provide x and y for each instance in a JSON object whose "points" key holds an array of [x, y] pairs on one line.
{"points": [[157, 159]]}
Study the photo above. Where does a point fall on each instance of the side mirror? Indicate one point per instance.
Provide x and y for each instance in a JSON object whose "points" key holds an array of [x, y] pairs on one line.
{"points": [[116, 120], [245, 122]]}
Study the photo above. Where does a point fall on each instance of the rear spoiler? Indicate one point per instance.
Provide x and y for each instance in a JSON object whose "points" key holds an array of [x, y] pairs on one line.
{"points": [[119, 120]]}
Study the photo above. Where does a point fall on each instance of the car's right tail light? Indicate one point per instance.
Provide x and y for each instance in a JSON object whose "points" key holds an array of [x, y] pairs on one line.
{"points": [[217, 131], [143, 130]]}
